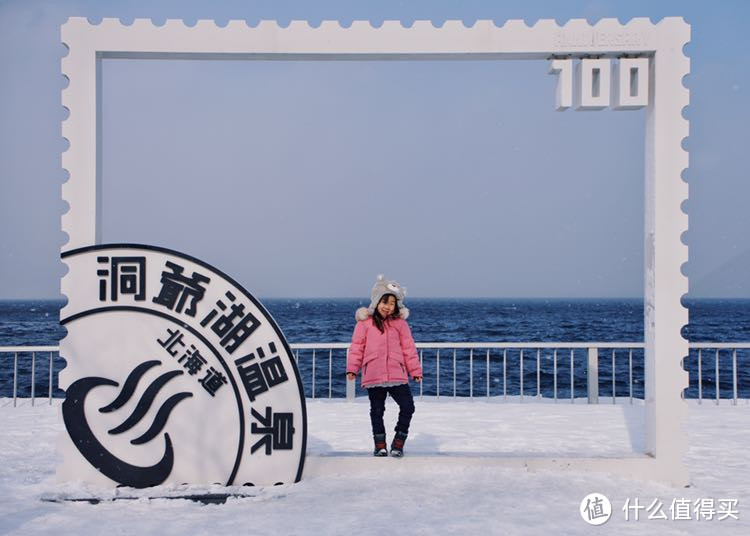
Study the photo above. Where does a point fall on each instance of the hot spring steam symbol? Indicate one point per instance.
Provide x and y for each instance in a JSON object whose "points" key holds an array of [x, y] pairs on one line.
{"points": [[91, 448]]}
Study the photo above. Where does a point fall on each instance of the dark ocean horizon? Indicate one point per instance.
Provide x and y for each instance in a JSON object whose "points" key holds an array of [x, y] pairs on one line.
{"points": [[331, 320]]}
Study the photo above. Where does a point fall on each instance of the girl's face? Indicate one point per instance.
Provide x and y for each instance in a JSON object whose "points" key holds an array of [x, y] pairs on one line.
{"points": [[387, 305]]}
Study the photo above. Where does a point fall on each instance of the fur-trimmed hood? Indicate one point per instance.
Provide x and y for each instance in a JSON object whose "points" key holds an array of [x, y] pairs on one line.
{"points": [[363, 313]]}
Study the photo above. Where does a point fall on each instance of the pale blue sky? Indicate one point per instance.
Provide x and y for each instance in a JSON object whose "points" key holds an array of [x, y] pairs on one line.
{"points": [[306, 179]]}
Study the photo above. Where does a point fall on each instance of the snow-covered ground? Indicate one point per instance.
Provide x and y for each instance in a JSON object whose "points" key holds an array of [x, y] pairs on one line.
{"points": [[438, 488]]}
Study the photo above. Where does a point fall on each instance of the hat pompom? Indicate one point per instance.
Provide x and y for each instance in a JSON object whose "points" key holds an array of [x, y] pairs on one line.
{"points": [[404, 313], [362, 313]]}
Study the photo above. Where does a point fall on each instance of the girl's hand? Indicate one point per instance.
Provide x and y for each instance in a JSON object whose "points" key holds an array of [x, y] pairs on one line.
{"points": [[351, 376], [417, 379]]}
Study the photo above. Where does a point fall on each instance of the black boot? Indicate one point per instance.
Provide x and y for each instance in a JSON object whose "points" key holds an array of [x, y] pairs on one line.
{"points": [[380, 446], [397, 446]]}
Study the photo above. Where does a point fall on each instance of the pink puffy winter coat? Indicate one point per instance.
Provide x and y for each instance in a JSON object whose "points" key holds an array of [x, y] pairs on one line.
{"points": [[390, 356]]}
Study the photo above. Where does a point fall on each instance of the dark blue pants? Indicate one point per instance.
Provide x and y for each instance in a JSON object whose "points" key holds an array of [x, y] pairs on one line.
{"points": [[402, 395]]}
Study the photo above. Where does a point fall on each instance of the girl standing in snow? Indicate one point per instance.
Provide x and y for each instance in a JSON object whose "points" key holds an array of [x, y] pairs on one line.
{"points": [[383, 348]]}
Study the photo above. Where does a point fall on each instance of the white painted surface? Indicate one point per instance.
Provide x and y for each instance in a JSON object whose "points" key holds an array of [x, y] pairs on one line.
{"points": [[593, 78], [665, 159], [564, 89], [630, 83], [665, 284]]}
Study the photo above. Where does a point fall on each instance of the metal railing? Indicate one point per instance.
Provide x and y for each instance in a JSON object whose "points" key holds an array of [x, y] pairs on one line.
{"points": [[717, 347], [33, 350], [556, 370], [482, 355]]}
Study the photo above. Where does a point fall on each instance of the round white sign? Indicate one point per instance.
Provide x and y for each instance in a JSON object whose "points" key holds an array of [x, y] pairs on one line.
{"points": [[175, 374]]}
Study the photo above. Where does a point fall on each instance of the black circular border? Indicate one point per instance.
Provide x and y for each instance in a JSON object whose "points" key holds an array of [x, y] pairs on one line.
{"points": [[266, 314]]}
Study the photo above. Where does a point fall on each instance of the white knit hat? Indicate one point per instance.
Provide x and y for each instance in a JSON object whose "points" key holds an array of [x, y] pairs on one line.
{"points": [[384, 286]]}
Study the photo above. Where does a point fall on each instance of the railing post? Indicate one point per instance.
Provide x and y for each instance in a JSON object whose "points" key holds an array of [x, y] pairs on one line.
{"points": [[630, 375], [437, 376], [330, 373], [454, 373], [592, 375], [734, 374], [521, 374], [554, 375], [471, 373], [50, 378], [421, 384], [572, 379], [488, 372], [351, 385], [538, 372], [505, 374], [614, 387], [33, 378], [700, 377], [718, 395], [15, 377], [313, 374]]}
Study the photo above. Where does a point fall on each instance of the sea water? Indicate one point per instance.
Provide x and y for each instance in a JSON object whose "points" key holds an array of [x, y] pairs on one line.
{"points": [[463, 372]]}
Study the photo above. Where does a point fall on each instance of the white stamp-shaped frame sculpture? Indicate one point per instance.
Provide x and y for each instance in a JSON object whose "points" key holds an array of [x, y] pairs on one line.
{"points": [[649, 72]]}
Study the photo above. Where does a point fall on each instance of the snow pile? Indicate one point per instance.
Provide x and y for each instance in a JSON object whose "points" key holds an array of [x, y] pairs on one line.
{"points": [[437, 489]]}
